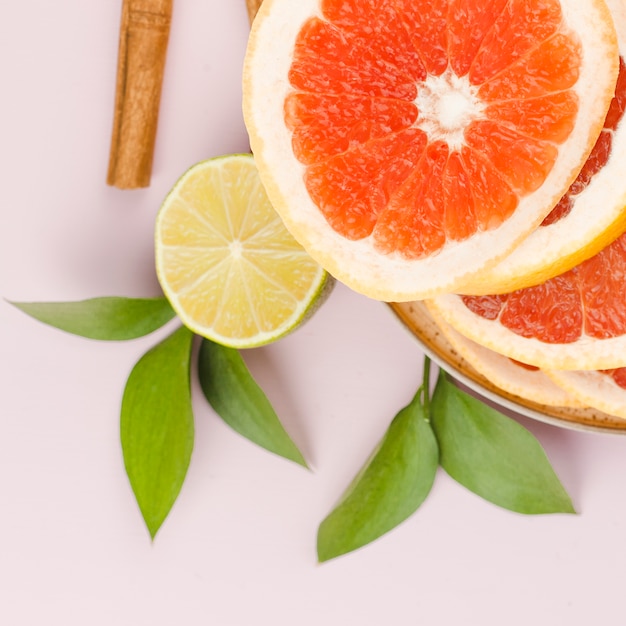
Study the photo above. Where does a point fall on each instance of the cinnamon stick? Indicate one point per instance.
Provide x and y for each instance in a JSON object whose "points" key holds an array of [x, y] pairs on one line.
{"points": [[253, 7], [144, 35]]}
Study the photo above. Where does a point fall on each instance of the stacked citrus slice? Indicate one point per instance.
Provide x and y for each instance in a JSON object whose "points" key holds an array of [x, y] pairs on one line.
{"points": [[409, 145], [576, 320], [464, 153], [567, 236], [572, 326], [516, 378]]}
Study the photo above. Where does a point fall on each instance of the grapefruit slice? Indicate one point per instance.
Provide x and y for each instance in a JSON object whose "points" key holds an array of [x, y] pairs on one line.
{"points": [[410, 144], [603, 390], [513, 377], [567, 236], [574, 321]]}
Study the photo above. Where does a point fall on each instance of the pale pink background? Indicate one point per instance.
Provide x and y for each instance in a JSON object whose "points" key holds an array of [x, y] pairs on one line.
{"points": [[239, 546]]}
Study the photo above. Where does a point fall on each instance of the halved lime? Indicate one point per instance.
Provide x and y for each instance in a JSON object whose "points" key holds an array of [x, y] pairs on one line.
{"points": [[226, 262]]}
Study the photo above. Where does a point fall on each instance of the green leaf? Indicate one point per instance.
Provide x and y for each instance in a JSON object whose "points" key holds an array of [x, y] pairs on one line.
{"points": [[390, 487], [157, 429], [493, 455], [108, 318], [237, 398]]}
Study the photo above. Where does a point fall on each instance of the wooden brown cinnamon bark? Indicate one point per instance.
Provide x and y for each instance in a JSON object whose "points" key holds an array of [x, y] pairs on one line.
{"points": [[144, 35]]}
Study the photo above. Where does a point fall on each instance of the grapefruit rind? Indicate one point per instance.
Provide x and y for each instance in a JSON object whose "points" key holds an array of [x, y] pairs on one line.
{"points": [[553, 249], [357, 263]]}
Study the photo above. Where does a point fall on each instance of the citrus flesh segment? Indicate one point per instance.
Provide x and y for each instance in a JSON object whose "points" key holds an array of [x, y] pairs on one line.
{"points": [[574, 321], [229, 267], [603, 390], [513, 377], [409, 145], [567, 236]]}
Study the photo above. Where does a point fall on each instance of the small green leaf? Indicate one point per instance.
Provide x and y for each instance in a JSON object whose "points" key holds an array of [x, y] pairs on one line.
{"points": [[492, 455], [108, 318], [237, 398], [157, 429], [390, 487]]}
